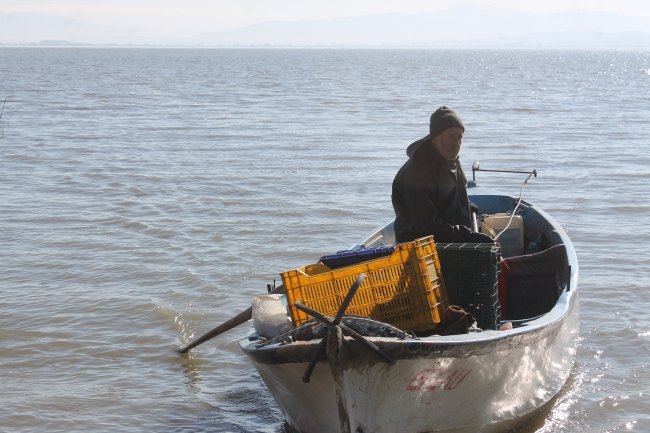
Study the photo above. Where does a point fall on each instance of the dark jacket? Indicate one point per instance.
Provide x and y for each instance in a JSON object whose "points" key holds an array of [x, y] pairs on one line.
{"points": [[430, 197]]}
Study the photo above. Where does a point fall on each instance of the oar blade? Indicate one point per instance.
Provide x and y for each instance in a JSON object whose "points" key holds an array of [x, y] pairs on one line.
{"points": [[242, 317]]}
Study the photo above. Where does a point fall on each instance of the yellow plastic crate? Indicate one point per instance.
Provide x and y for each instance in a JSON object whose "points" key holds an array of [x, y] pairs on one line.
{"points": [[405, 289]]}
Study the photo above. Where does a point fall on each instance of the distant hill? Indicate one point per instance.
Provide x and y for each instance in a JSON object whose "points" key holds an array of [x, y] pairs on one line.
{"points": [[27, 27], [465, 25], [585, 39], [448, 26]]}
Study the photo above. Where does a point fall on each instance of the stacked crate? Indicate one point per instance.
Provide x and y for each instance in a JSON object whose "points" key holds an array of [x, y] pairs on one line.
{"points": [[471, 275], [404, 289]]}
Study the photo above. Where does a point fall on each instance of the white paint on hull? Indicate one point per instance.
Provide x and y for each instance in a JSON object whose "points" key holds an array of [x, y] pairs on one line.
{"points": [[305, 406], [489, 393]]}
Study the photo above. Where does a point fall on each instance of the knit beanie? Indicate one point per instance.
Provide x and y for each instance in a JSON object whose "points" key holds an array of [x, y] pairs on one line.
{"points": [[444, 118]]}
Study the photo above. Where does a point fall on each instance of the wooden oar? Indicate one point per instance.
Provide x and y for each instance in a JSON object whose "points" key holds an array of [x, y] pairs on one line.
{"points": [[242, 317]]}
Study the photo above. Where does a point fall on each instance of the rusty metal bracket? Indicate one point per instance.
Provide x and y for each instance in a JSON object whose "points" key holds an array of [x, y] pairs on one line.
{"points": [[334, 325]]}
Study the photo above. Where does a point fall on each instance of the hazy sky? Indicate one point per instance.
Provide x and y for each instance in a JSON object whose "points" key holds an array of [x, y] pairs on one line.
{"points": [[192, 16]]}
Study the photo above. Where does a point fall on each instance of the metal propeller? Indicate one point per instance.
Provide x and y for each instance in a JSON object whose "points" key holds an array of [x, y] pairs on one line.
{"points": [[332, 324]]}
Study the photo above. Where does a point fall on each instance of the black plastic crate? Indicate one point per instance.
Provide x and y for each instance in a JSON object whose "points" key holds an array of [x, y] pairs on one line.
{"points": [[471, 274]]}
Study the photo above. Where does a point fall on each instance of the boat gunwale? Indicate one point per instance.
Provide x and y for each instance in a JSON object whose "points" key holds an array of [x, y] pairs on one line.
{"points": [[428, 347]]}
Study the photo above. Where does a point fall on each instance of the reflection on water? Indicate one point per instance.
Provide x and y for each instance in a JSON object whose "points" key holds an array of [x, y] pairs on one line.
{"points": [[554, 416]]}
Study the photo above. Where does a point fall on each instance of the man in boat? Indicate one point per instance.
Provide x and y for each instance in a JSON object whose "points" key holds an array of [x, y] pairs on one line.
{"points": [[429, 192]]}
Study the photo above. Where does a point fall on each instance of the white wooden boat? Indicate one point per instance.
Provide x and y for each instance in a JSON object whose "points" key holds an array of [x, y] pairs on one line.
{"points": [[490, 381]]}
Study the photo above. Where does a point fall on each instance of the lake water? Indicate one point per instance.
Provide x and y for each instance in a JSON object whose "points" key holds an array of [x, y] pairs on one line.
{"points": [[147, 194]]}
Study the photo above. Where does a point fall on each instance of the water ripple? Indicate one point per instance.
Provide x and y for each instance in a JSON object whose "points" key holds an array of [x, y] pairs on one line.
{"points": [[147, 195]]}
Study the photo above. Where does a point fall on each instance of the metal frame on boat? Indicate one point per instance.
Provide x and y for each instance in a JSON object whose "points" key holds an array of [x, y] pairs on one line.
{"points": [[490, 381]]}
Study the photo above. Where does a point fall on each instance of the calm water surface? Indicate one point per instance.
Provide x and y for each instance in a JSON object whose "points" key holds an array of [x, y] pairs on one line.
{"points": [[147, 195]]}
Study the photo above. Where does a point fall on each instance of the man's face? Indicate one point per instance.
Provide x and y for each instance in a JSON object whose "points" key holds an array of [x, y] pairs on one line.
{"points": [[447, 143]]}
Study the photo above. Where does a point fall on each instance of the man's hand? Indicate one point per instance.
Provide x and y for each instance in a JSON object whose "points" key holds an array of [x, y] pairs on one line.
{"points": [[473, 208]]}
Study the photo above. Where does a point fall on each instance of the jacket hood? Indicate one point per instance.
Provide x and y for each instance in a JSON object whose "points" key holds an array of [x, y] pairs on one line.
{"points": [[413, 147], [435, 157]]}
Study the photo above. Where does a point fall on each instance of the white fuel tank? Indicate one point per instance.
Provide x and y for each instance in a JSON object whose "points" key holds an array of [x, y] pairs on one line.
{"points": [[512, 241]]}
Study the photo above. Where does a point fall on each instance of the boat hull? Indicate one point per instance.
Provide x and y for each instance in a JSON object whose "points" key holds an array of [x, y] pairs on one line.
{"points": [[470, 384]]}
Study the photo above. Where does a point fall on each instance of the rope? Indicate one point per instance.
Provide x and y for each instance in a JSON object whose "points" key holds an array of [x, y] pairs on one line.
{"points": [[514, 212]]}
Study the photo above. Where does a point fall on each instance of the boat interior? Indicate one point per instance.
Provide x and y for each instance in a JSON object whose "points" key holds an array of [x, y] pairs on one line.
{"points": [[535, 279]]}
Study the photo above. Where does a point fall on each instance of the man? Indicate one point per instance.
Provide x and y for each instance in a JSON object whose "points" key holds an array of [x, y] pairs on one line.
{"points": [[429, 193]]}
